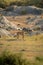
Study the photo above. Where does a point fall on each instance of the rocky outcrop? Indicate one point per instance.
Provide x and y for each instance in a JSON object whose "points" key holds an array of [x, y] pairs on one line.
{"points": [[19, 10]]}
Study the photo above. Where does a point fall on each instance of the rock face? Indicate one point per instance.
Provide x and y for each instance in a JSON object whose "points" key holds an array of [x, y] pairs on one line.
{"points": [[4, 32], [6, 26], [4, 23], [36, 21], [20, 10]]}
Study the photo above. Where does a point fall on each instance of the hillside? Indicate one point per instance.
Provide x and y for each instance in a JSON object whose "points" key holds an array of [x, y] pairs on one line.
{"points": [[29, 17], [29, 20]]}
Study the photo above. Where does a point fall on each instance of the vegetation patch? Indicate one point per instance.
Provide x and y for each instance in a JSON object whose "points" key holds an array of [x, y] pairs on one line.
{"points": [[6, 3], [23, 12], [17, 59]]}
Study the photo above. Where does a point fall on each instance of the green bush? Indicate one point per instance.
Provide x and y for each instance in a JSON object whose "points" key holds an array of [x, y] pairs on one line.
{"points": [[16, 59], [23, 12], [37, 28]]}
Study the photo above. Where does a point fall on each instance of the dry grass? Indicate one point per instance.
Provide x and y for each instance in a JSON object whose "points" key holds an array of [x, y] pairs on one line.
{"points": [[30, 46]]}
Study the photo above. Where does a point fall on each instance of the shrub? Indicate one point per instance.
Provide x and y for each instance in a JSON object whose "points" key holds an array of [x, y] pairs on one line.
{"points": [[39, 58], [37, 28], [16, 59], [23, 12]]}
